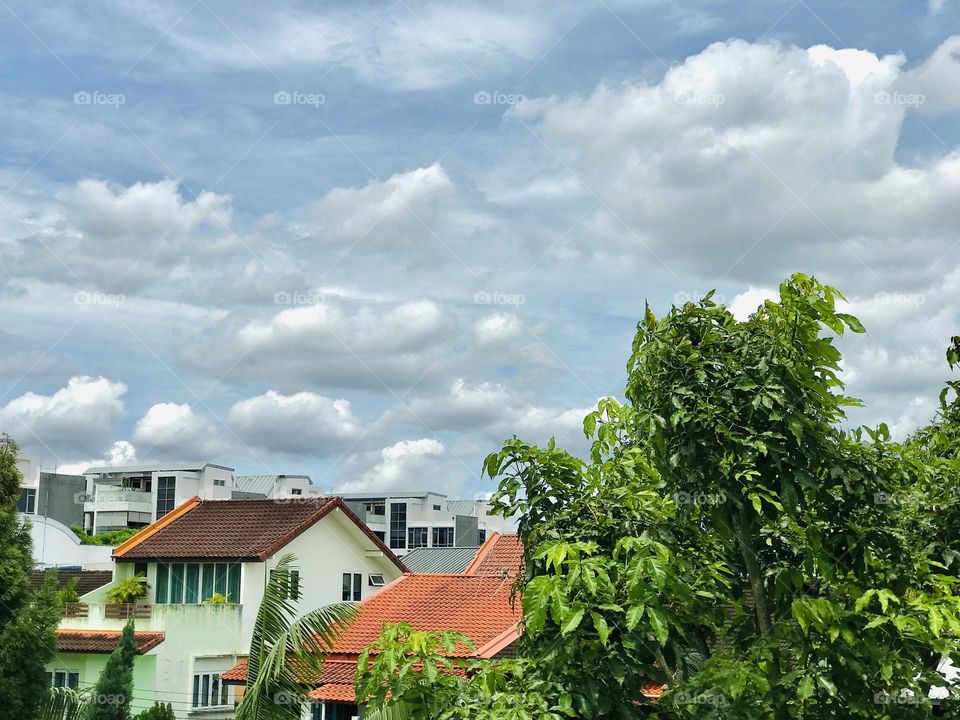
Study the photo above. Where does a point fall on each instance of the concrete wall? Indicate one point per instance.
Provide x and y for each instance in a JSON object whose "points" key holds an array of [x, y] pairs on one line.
{"points": [[90, 665], [55, 545]]}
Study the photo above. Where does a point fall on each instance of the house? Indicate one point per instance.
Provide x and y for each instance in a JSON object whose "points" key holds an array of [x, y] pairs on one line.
{"points": [[410, 520], [478, 603], [274, 486], [47, 493], [440, 560], [229, 547]]}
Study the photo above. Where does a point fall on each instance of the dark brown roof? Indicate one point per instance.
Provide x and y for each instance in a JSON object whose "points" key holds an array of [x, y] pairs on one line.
{"points": [[247, 530], [103, 641], [87, 580]]}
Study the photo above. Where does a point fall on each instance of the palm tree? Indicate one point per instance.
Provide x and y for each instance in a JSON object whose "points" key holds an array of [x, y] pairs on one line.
{"points": [[63, 704], [286, 653]]}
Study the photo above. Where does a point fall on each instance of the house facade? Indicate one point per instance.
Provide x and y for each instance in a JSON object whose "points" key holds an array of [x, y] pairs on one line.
{"points": [[424, 519], [227, 548]]}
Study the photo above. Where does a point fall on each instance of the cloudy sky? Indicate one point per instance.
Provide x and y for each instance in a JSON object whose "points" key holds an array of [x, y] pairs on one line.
{"points": [[368, 241]]}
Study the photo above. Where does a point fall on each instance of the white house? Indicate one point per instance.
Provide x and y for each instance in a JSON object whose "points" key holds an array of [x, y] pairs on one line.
{"points": [[226, 547], [410, 520]]}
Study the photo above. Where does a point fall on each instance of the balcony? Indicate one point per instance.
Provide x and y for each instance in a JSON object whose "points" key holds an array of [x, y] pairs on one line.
{"points": [[108, 498], [184, 619]]}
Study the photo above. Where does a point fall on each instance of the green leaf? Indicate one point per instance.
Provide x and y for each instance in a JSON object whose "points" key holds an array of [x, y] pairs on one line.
{"points": [[658, 621], [571, 621]]}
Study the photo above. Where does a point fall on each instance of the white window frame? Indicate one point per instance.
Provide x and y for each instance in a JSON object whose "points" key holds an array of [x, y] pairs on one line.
{"points": [[196, 691]]}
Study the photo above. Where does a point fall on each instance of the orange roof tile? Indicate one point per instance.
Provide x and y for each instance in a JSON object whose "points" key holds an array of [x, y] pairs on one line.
{"points": [[334, 692], [500, 556], [103, 641]]}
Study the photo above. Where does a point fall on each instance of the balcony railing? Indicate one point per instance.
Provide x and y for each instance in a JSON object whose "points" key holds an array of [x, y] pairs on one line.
{"points": [[75, 610], [126, 611]]}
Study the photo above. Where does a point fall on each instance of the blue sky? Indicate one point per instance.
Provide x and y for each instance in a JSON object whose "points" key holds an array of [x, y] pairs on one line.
{"points": [[368, 241]]}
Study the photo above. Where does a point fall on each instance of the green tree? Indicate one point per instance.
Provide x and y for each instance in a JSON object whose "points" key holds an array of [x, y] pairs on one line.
{"points": [[728, 539], [27, 620], [159, 711], [286, 652], [110, 699]]}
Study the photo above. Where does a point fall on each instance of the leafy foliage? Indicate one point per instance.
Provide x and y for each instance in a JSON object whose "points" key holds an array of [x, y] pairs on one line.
{"points": [[159, 711], [63, 704], [68, 593], [217, 599], [27, 619], [110, 699], [286, 653], [128, 590], [726, 538], [111, 537]]}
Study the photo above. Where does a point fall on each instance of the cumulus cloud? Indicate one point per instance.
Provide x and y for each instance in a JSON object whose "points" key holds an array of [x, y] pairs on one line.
{"points": [[76, 420], [172, 431], [304, 423], [406, 465], [750, 160], [746, 303], [497, 328], [394, 215], [334, 344]]}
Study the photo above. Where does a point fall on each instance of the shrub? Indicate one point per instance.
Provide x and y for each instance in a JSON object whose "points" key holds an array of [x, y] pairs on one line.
{"points": [[129, 590]]}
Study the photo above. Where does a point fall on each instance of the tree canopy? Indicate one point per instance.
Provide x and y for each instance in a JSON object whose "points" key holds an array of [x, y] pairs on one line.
{"points": [[728, 539]]}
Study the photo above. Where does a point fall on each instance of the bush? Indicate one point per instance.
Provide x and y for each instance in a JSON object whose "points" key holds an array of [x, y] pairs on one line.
{"points": [[158, 712], [129, 590], [68, 593], [217, 599], [112, 537]]}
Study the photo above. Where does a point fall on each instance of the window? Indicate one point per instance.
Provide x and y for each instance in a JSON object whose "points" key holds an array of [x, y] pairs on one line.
{"points": [[443, 537], [28, 501], [380, 534], [377, 507], [417, 537], [481, 536], [352, 583], [398, 525], [219, 483], [376, 580], [208, 691], [333, 711], [166, 490], [192, 583], [294, 584], [437, 508], [66, 679], [296, 491]]}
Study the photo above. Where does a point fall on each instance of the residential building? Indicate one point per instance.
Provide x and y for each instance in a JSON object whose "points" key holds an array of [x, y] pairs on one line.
{"points": [[407, 521], [439, 560], [478, 603], [229, 547], [274, 486], [49, 493]]}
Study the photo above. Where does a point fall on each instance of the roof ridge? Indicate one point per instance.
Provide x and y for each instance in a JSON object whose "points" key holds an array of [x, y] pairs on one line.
{"points": [[482, 553], [156, 526]]}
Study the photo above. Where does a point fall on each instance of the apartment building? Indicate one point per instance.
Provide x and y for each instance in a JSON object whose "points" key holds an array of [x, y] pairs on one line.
{"points": [[423, 519]]}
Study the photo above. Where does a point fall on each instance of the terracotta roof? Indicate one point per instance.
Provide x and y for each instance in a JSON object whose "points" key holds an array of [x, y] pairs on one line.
{"points": [[499, 556], [478, 607], [87, 580], [103, 641], [246, 530], [334, 692]]}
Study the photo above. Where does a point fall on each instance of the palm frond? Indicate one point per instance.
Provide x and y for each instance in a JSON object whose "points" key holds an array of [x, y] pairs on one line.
{"points": [[286, 652], [63, 704]]}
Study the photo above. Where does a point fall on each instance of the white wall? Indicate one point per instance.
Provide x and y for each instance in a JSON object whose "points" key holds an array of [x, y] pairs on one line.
{"points": [[55, 545]]}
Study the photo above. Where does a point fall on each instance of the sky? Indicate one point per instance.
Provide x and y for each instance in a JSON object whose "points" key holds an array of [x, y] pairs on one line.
{"points": [[369, 241]]}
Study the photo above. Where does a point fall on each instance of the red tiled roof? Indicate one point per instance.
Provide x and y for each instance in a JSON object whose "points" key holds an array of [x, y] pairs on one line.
{"points": [[250, 530], [478, 607], [103, 641], [500, 556], [334, 692]]}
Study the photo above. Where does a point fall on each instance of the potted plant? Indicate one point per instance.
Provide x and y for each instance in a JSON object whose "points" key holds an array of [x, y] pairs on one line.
{"points": [[124, 595], [70, 600]]}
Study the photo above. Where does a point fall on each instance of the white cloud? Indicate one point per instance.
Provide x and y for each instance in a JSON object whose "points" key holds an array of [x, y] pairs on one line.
{"points": [[746, 303], [497, 328], [751, 160], [173, 431], [406, 465], [120, 453], [304, 423], [394, 215], [937, 79], [76, 420]]}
